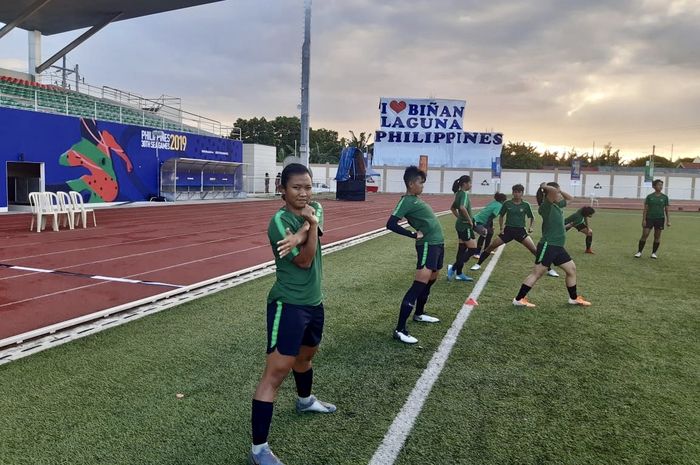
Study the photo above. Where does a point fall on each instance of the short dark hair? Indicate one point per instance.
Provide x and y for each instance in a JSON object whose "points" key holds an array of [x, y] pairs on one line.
{"points": [[657, 181], [541, 192], [518, 188], [587, 211], [500, 197], [459, 181], [291, 170], [412, 173]]}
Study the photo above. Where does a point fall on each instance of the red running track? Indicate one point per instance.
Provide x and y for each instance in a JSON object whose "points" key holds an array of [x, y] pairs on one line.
{"points": [[176, 244]]}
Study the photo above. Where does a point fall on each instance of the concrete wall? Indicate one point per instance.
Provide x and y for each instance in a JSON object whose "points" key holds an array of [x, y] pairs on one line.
{"points": [[260, 159]]}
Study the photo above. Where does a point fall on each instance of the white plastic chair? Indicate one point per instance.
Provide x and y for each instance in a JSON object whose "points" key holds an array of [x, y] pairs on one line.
{"points": [[65, 203], [35, 202], [594, 199], [79, 207], [52, 206]]}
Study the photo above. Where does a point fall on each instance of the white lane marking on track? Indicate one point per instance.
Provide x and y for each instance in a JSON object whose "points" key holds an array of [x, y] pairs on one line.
{"points": [[168, 249], [395, 438], [160, 238]]}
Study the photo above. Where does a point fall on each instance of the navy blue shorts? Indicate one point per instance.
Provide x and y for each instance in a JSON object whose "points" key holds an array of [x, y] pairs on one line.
{"points": [[656, 223], [548, 254], [430, 256], [513, 233], [466, 234], [291, 326]]}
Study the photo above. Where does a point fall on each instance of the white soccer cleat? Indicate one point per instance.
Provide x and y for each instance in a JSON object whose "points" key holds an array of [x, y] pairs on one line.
{"points": [[404, 337], [579, 301], [523, 303], [638, 254], [476, 256], [426, 318], [553, 274], [653, 255], [475, 267], [315, 405]]}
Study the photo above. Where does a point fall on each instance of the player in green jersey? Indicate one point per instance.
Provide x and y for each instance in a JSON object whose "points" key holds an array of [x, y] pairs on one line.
{"points": [[655, 211], [514, 211], [550, 250], [579, 220], [295, 311], [483, 222], [430, 249], [462, 209]]}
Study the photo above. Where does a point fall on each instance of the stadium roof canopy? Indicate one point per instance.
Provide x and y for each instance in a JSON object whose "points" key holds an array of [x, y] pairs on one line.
{"points": [[57, 16]]}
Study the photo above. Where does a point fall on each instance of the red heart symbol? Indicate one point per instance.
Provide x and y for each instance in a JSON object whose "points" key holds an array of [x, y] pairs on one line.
{"points": [[398, 107]]}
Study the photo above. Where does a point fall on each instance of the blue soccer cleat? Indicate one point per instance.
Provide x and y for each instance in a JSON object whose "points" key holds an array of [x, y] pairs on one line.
{"points": [[450, 273], [464, 277]]}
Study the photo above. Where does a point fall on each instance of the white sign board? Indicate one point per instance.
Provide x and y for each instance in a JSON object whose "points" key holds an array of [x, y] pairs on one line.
{"points": [[410, 128]]}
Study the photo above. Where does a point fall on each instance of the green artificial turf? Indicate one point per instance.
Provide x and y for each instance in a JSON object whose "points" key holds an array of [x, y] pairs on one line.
{"points": [[615, 383]]}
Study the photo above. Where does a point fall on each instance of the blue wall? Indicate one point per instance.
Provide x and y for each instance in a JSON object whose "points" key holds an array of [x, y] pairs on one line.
{"points": [[83, 154]]}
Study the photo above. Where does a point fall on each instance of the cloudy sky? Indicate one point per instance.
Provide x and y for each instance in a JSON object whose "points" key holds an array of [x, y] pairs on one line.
{"points": [[555, 73]]}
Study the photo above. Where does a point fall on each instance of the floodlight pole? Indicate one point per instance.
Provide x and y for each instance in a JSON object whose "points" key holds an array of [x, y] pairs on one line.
{"points": [[305, 71]]}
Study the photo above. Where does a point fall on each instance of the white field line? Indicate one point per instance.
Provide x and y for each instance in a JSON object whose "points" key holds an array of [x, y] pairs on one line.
{"points": [[399, 430]]}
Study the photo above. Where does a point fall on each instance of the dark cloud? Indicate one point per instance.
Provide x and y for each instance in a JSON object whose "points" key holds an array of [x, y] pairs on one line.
{"points": [[560, 72]]}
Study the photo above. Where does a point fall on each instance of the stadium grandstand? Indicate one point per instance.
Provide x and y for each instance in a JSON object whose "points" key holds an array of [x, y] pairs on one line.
{"points": [[120, 137]]}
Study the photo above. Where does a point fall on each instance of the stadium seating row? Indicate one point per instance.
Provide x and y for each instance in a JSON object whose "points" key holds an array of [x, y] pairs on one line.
{"points": [[26, 95]]}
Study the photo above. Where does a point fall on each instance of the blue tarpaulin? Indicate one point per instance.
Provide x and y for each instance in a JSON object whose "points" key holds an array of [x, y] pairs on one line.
{"points": [[353, 165]]}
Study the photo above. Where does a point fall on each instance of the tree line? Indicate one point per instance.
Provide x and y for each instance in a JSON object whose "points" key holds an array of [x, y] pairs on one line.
{"points": [[284, 132]]}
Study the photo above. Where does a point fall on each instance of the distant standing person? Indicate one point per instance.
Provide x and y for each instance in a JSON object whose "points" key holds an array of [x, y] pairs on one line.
{"points": [[278, 182], [653, 216], [267, 183]]}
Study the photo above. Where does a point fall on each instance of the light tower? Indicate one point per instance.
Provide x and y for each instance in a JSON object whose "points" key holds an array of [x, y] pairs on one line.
{"points": [[305, 71]]}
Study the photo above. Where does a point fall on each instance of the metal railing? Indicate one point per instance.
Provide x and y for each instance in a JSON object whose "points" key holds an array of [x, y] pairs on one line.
{"points": [[112, 104]]}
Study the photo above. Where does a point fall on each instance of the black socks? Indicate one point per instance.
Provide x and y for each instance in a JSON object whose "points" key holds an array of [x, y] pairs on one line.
{"points": [[423, 299], [261, 419], [524, 289], [303, 382], [408, 302]]}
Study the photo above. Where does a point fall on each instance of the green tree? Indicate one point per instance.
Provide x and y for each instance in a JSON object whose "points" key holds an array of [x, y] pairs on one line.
{"points": [[256, 131], [607, 157], [325, 146], [520, 155], [362, 142], [659, 162]]}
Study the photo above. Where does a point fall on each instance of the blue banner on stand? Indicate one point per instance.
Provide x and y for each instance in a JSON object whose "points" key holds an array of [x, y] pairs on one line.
{"points": [[496, 168], [575, 171]]}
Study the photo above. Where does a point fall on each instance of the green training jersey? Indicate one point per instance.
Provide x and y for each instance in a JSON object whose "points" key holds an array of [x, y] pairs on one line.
{"points": [[515, 213], [295, 285], [488, 213], [421, 217], [462, 200], [576, 218], [553, 231], [656, 205]]}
